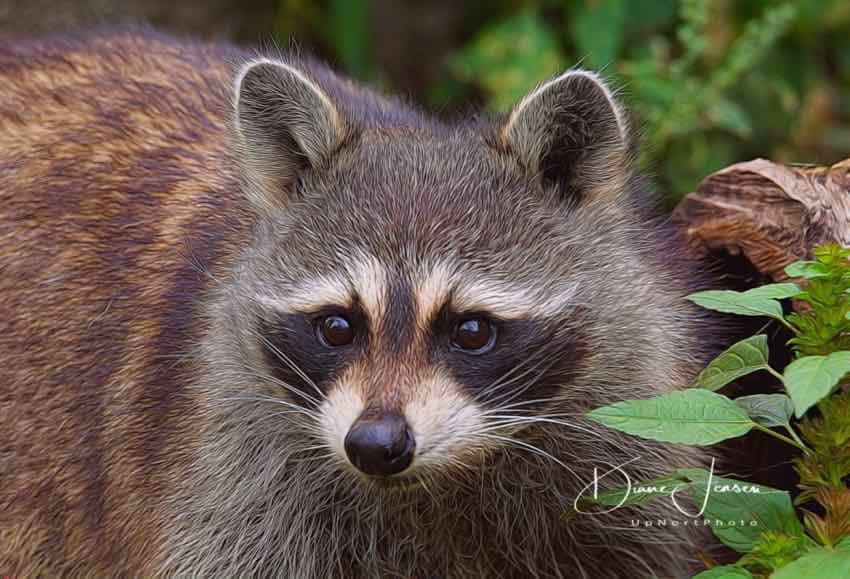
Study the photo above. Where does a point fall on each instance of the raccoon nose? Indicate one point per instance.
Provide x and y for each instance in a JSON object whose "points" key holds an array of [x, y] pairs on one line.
{"points": [[382, 446]]}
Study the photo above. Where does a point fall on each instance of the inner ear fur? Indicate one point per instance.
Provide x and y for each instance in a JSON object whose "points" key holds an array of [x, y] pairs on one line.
{"points": [[285, 124], [572, 134]]}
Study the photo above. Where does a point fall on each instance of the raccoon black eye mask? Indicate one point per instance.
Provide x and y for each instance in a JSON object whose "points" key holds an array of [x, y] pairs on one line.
{"points": [[265, 322], [310, 350]]}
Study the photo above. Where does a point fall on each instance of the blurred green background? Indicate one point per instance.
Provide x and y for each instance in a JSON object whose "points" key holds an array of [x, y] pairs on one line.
{"points": [[709, 82]]}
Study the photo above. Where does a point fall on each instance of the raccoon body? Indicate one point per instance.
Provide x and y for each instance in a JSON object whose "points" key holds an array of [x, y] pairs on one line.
{"points": [[256, 320]]}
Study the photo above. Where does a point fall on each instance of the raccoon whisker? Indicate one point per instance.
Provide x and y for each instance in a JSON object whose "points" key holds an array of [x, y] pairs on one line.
{"points": [[513, 395], [517, 406], [507, 393], [311, 448], [504, 430], [295, 391], [513, 411], [529, 447], [522, 444], [442, 459], [502, 382], [271, 400], [288, 361], [501, 379], [511, 420], [294, 408], [284, 413], [255, 424], [529, 366], [503, 412], [310, 426], [255, 373], [457, 463]]}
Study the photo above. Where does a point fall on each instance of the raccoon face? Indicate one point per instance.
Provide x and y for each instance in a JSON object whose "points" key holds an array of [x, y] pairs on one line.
{"points": [[425, 291]]}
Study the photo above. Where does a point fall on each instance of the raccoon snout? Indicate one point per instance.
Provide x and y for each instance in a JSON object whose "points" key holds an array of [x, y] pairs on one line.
{"points": [[380, 446]]}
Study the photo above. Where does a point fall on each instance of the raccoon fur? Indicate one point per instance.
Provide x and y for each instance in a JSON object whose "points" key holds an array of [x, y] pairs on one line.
{"points": [[257, 320]]}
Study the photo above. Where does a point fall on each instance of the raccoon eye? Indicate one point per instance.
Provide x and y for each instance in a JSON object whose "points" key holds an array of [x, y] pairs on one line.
{"points": [[475, 335], [335, 331]]}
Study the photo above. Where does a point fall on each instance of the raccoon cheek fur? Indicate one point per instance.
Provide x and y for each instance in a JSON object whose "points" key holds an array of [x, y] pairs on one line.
{"points": [[267, 322]]}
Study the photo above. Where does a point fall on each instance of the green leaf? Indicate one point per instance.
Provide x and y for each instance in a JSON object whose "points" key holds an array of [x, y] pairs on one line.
{"points": [[817, 564], [777, 291], [807, 269], [775, 550], [724, 572], [740, 359], [692, 416], [767, 409], [812, 378], [732, 302], [598, 30], [739, 511]]}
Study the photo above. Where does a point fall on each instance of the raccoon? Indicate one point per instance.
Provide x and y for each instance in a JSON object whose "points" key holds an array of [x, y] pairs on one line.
{"points": [[258, 320]]}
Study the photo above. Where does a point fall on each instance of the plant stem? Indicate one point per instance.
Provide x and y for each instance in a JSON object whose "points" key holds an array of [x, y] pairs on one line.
{"points": [[793, 434], [784, 439], [789, 326]]}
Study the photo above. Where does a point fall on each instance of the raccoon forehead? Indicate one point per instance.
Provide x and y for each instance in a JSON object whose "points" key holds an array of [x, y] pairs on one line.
{"points": [[433, 286]]}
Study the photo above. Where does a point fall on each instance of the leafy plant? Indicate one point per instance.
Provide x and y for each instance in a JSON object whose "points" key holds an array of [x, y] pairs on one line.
{"points": [[816, 542], [515, 53], [825, 327], [678, 87], [711, 82]]}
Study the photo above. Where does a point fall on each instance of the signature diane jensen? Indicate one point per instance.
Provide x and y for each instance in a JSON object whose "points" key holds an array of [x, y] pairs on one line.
{"points": [[591, 490]]}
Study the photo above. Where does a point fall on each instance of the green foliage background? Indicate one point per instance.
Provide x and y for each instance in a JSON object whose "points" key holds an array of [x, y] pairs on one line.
{"points": [[709, 82]]}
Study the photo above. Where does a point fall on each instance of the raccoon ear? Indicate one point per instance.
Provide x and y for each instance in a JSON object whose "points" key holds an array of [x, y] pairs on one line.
{"points": [[572, 133], [285, 123]]}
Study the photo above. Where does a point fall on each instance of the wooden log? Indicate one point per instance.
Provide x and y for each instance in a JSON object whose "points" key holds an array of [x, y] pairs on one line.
{"points": [[772, 214]]}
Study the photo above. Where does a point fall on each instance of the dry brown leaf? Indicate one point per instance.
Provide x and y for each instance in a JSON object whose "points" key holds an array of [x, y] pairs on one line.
{"points": [[773, 214]]}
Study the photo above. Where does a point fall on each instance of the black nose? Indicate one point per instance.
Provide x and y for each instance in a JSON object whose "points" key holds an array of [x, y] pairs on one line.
{"points": [[383, 446]]}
